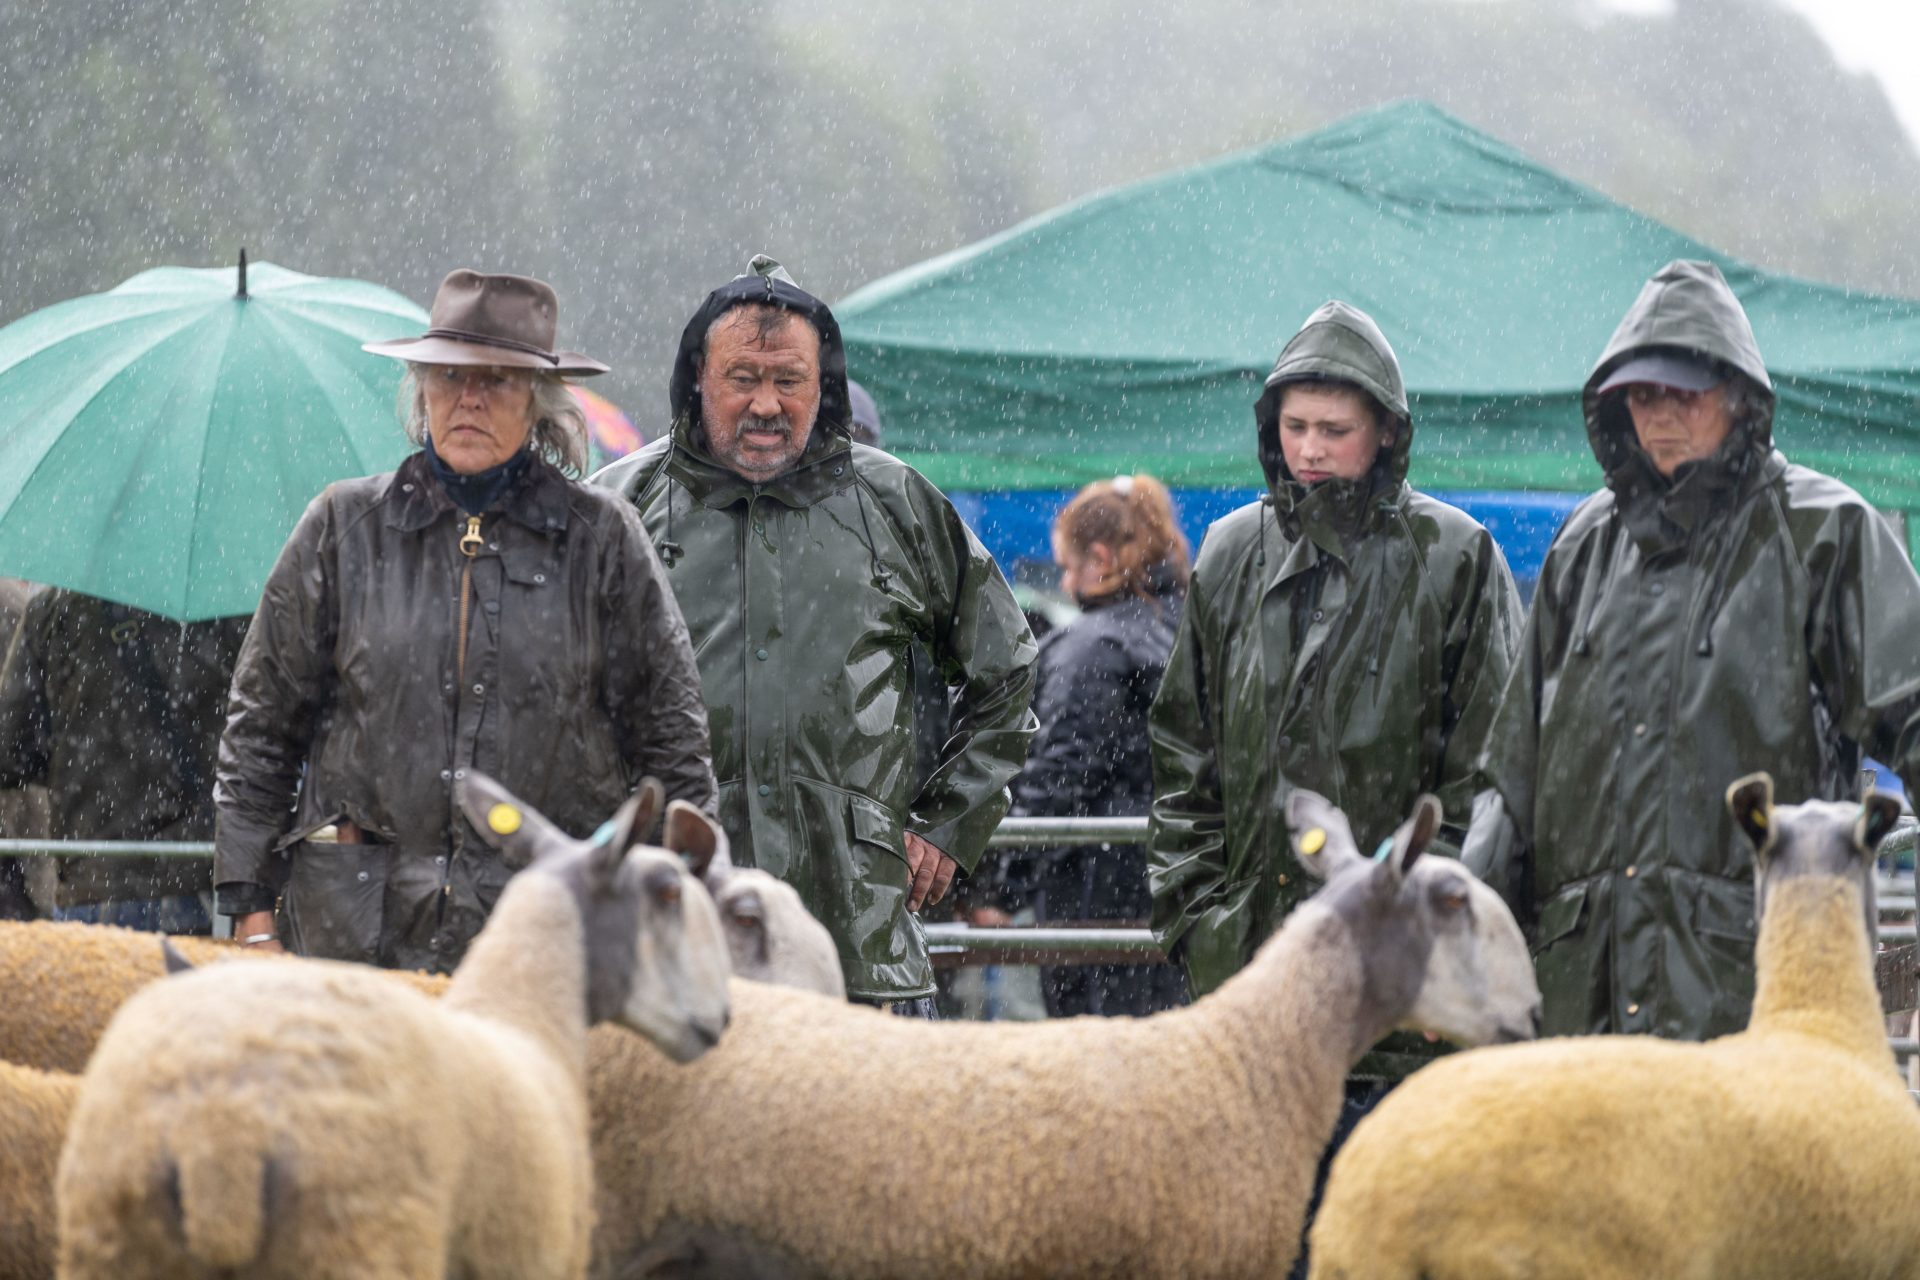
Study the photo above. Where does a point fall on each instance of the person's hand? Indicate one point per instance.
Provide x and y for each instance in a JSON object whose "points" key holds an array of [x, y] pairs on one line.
{"points": [[252, 925], [932, 872], [988, 918]]}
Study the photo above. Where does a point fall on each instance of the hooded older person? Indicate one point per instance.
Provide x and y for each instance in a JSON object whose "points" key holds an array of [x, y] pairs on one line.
{"points": [[1714, 610], [477, 608], [809, 568]]}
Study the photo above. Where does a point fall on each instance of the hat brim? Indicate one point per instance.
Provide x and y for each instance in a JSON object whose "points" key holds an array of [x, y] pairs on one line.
{"points": [[435, 350], [1662, 370]]}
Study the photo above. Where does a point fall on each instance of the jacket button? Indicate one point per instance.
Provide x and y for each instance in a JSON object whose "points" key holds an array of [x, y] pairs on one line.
{"points": [[1632, 1009], [460, 773], [492, 606], [406, 488], [765, 790], [1286, 741], [1655, 589], [446, 775], [439, 859], [361, 876], [539, 577], [760, 654], [1319, 614], [1631, 872], [479, 688], [1640, 730], [1281, 878], [838, 470]]}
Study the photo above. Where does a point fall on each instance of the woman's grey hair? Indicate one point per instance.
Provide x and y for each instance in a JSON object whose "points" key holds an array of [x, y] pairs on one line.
{"points": [[559, 427]]}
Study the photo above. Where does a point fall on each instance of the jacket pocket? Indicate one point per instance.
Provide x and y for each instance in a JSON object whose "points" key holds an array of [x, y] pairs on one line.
{"points": [[336, 900], [1709, 961], [1570, 961]]}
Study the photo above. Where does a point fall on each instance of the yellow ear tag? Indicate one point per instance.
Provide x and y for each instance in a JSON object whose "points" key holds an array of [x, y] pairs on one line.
{"points": [[1313, 842], [504, 819], [1759, 817]]}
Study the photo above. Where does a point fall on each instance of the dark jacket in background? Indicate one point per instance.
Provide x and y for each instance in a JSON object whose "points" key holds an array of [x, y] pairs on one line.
{"points": [[117, 712], [1091, 758], [579, 681], [805, 596], [1352, 637], [1748, 614]]}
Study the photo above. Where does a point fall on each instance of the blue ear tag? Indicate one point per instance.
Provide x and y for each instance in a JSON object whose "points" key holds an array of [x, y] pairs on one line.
{"points": [[1386, 847], [604, 834]]}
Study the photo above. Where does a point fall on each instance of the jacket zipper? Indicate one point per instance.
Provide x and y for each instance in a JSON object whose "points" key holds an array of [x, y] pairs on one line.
{"points": [[470, 544]]}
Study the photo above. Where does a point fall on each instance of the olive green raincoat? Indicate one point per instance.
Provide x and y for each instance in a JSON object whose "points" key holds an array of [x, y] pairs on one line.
{"points": [[803, 596], [1352, 638], [1748, 614]]}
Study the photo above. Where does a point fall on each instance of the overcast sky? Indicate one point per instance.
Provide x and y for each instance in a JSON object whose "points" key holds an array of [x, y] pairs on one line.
{"points": [[1881, 36]]}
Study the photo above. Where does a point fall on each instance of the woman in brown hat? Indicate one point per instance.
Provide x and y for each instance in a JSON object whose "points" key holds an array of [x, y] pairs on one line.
{"points": [[477, 608]]}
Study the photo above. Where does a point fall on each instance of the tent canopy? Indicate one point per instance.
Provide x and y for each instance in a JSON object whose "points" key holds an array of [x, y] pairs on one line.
{"points": [[1131, 330]]}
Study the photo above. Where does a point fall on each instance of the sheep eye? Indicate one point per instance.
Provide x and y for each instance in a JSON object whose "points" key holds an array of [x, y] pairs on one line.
{"points": [[667, 894], [1453, 901]]}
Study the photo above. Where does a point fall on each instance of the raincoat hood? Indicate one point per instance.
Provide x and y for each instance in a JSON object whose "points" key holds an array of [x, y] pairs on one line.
{"points": [[765, 282], [1342, 343], [1687, 308]]}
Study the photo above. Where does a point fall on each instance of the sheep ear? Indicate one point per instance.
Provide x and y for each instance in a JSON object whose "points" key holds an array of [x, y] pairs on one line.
{"points": [[1750, 801], [1322, 840], [171, 958], [1878, 813], [518, 832], [698, 839], [625, 829], [1413, 836]]}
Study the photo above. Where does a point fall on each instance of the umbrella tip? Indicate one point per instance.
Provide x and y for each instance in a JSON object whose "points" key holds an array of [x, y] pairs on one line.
{"points": [[243, 273]]}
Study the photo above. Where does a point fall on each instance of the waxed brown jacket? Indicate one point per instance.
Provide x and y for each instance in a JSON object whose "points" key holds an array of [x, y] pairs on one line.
{"points": [[579, 680]]}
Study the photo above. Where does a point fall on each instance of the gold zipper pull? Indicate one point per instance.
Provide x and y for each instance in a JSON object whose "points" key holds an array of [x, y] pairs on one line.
{"points": [[471, 541]]}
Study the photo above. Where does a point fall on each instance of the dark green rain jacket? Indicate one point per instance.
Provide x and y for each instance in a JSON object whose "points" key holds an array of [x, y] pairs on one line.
{"points": [[1352, 638], [1749, 614], [804, 595]]}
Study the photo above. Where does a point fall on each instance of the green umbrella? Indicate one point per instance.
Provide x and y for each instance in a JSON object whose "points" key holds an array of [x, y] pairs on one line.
{"points": [[159, 441]]}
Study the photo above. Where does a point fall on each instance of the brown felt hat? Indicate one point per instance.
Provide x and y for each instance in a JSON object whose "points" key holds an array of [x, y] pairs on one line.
{"points": [[491, 320]]}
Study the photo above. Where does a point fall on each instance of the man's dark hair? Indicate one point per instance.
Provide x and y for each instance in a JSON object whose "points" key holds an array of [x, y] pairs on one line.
{"points": [[768, 319]]}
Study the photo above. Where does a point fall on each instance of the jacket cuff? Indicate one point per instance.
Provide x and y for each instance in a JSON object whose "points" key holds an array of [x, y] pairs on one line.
{"points": [[240, 897]]}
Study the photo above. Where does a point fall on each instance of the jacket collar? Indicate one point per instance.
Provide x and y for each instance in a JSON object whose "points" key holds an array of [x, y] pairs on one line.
{"points": [[1663, 515], [414, 499], [1333, 514], [826, 467]]}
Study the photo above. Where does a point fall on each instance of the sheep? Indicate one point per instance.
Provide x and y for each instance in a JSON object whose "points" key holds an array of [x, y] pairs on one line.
{"points": [[34, 1107], [771, 937], [319, 1119], [64, 981], [827, 1138], [1788, 1149]]}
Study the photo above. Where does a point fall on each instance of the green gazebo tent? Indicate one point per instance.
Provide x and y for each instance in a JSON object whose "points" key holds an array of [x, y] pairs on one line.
{"points": [[1130, 330]]}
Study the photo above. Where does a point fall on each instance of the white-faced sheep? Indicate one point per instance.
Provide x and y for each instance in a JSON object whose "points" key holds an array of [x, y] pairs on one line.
{"points": [[842, 1141], [1788, 1150], [317, 1119], [771, 936]]}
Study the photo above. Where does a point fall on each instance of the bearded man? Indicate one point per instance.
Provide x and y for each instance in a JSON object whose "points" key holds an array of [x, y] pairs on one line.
{"points": [[808, 567]]}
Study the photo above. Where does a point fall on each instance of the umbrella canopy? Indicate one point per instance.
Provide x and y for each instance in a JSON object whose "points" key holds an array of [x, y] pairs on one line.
{"points": [[1132, 330], [159, 441]]}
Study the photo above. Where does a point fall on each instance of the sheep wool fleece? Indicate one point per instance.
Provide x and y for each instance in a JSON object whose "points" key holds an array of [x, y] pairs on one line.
{"points": [[321, 1115], [1788, 1151], [34, 1107], [1178, 1145]]}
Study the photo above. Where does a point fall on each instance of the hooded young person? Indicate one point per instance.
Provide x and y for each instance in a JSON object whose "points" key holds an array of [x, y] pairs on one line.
{"points": [[807, 567], [1345, 633], [1714, 610]]}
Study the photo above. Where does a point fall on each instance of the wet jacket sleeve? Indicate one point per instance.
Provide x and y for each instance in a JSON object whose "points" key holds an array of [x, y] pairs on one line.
{"points": [[1482, 637], [1865, 619], [653, 686], [1186, 849], [985, 652], [281, 683], [26, 726]]}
